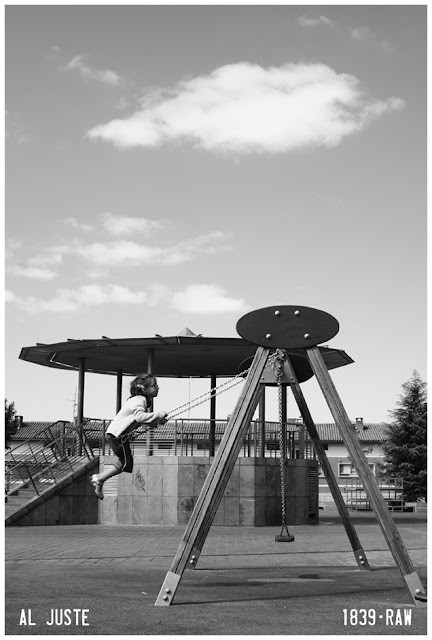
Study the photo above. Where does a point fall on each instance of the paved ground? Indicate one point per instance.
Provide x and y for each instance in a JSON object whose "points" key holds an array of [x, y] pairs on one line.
{"points": [[245, 582]]}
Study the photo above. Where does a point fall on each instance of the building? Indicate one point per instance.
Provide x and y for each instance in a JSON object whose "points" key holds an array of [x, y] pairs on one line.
{"points": [[191, 438]]}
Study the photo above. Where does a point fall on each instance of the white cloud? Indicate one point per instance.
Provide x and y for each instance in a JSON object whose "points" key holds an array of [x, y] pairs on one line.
{"points": [[48, 260], [245, 108], [35, 273], [367, 36], [130, 253], [105, 76], [195, 299], [308, 23], [79, 226], [205, 299], [72, 300], [124, 225]]}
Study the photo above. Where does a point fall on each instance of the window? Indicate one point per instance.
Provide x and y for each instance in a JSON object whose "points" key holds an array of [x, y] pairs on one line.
{"points": [[164, 445], [347, 470], [273, 446]]}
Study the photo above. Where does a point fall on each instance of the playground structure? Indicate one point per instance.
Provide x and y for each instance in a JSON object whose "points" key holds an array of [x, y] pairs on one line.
{"points": [[275, 331]]}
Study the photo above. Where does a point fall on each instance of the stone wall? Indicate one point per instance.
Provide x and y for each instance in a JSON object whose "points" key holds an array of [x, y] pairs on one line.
{"points": [[72, 501], [163, 490]]}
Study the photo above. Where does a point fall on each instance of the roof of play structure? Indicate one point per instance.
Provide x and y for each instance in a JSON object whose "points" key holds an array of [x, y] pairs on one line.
{"points": [[182, 356]]}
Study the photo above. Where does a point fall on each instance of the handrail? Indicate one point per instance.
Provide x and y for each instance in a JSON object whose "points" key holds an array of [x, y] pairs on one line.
{"points": [[48, 462], [18, 446]]}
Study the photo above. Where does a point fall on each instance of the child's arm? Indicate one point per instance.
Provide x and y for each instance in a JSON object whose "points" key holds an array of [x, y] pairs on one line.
{"points": [[152, 418]]}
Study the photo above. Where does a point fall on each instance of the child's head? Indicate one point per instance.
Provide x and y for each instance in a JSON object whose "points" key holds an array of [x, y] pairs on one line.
{"points": [[144, 385]]}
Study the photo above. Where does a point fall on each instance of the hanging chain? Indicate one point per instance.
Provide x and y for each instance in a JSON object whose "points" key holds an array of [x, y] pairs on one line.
{"points": [[278, 360], [232, 382], [196, 402]]}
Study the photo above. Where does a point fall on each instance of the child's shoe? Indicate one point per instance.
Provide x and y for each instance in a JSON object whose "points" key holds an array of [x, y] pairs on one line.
{"points": [[97, 486]]}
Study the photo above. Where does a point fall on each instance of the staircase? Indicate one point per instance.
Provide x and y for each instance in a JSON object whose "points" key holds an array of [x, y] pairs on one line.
{"points": [[35, 473]]}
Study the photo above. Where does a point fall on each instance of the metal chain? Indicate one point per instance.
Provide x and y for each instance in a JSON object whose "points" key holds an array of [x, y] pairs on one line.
{"points": [[278, 362], [196, 402], [215, 391]]}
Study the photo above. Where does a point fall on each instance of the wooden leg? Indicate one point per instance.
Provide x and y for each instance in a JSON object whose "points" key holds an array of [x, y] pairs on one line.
{"points": [[358, 550], [216, 481], [352, 443]]}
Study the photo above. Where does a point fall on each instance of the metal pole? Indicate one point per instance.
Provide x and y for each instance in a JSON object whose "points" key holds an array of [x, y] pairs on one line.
{"points": [[80, 408], [283, 426], [81, 376], [212, 434], [149, 437], [261, 419], [119, 390]]}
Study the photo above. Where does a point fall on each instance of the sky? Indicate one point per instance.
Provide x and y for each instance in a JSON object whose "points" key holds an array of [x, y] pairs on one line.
{"points": [[179, 166]]}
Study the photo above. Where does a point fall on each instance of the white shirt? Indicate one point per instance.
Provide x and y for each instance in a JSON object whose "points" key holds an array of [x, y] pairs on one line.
{"points": [[133, 410]]}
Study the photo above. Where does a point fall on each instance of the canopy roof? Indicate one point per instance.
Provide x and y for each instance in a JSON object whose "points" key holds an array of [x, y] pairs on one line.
{"points": [[182, 356]]}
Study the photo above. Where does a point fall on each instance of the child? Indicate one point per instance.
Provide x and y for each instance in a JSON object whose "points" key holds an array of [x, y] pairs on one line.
{"points": [[133, 414]]}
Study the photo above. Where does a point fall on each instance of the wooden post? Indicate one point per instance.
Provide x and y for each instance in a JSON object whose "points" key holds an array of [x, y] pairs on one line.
{"points": [[216, 481], [379, 506], [359, 553]]}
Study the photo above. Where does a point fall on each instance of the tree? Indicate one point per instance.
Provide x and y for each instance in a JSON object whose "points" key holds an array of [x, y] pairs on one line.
{"points": [[405, 451], [11, 425]]}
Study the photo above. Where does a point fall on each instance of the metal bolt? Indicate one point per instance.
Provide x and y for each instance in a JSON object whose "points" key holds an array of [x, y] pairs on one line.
{"points": [[297, 313], [167, 590], [418, 591], [362, 562], [307, 335], [277, 313], [191, 561], [193, 557], [165, 598], [268, 336], [360, 557]]}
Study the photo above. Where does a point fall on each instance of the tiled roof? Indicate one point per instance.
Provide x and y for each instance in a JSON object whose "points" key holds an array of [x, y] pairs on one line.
{"points": [[327, 432], [31, 430]]}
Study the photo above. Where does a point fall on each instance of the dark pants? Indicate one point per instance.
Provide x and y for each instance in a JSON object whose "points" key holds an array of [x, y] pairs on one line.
{"points": [[123, 452]]}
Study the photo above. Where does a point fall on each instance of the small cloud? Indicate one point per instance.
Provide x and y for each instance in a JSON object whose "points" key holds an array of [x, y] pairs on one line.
{"points": [[35, 273], [244, 108], [124, 225], [206, 299], [129, 253], [79, 226], [311, 23], [105, 76], [360, 33], [72, 300], [46, 260], [368, 36]]}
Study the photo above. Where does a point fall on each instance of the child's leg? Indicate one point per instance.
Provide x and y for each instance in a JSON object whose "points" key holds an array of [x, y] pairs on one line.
{"points": [[109, 472], [124, 462]]}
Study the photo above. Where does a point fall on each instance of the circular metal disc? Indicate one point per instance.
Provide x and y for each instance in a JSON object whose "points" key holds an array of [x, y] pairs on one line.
{"points": [[287, 327]]}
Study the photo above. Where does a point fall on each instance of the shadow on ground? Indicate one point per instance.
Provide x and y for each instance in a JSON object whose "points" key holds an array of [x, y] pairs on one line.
{"points": [[254, 601]]}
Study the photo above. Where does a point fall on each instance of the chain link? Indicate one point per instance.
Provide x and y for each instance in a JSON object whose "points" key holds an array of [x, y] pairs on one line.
{"points": [[196, 402], [280, 356]]}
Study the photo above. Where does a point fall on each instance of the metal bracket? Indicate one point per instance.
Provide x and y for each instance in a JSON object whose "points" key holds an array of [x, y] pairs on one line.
{"points": [[362, 561], [416, 588], [168, 590]]}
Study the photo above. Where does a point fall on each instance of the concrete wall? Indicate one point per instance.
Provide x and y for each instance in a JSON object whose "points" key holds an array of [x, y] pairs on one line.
{"points": [[164, 490]]}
